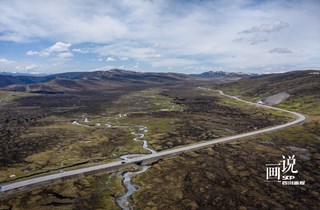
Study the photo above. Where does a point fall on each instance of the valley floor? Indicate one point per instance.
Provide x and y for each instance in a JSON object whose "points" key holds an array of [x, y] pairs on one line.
{"points": [[46, 139]]}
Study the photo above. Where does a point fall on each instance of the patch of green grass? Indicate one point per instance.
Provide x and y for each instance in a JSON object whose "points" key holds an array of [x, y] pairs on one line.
{"points": [[308, 105], [146, 101], [232, 171], [7, 97], [68, 145], [245, 106], [85, 145], [91, 192]]}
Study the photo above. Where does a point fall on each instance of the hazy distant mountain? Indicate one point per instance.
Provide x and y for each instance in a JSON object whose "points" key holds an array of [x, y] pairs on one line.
{"points": [[114, 75], [21, 74], [6, 80], [222, 74], [83, 80]]}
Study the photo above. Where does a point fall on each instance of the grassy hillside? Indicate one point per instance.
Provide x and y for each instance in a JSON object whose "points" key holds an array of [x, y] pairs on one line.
{"points": [[303, 87], [296, 83], [39, 137], [18, 83], [232, 175]]}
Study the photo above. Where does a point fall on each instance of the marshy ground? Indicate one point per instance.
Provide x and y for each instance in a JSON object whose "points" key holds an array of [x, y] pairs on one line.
{"points": [[38, 137]]}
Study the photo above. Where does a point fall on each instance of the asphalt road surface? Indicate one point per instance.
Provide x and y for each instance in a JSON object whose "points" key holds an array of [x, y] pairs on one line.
{"points": [[171, 152]]}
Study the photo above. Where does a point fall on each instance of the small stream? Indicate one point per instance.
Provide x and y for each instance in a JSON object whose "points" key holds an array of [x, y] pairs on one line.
{"points": [[123, 200]]}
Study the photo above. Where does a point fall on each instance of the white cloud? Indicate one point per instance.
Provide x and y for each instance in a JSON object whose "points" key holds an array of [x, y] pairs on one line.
{"points": [[75, 21], [59, 47], [4, 61], [32, 52], [43, 53], [27, 68], [103, 68], [65, 55], [110, 59], [13, 66], [81, 50], [170, 33], [31, 67], [172, 62], [128, 50]]}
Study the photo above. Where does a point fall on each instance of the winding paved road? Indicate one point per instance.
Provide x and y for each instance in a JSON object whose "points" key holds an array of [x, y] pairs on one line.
{"points": [[171, 152]]}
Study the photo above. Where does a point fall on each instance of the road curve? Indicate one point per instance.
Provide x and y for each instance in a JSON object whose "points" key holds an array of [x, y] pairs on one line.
{"points": [[171, 152]]}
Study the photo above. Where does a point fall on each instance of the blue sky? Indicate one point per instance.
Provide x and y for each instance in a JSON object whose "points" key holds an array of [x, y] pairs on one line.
{"points": [[161, 36]]}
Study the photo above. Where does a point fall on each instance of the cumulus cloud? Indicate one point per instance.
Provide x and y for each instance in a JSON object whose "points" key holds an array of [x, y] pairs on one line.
{"points": [[268, 27], [14, 66], [27, 68], [81, 50], [75, 21], [31, 67], [4, 61], [124, 58], [104, 68], [127, 50], [65, 55], [39, 53], [172, 62], [59, 47], [110, 59], [231, 34], [280, 51], [30, 52]]}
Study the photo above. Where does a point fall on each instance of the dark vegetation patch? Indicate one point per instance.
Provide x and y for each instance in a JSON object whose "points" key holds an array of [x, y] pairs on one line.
{"points": [[13, 123], [232, 175], [205, 117], [227, 176], [30, 125], [92, 192], [296, 83]]}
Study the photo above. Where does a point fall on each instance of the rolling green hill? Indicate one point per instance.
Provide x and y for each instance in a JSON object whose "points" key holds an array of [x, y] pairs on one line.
{"points": [[296, 83]]}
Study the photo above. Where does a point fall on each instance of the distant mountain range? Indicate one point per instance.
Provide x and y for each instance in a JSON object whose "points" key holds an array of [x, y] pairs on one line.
{"points": [[21, 74], [223, 74], [75, 80], [7, 79], [294, 83], [79, 81]]}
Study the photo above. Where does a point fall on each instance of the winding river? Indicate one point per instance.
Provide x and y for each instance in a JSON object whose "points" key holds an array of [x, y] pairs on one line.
{"points": [[123, 200], [139, 133]]}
